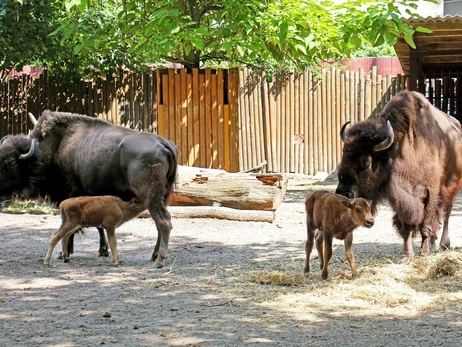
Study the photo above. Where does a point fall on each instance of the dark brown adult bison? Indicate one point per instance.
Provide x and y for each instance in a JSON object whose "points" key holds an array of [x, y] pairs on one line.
{"points": [[411, 157], [70, 155]]}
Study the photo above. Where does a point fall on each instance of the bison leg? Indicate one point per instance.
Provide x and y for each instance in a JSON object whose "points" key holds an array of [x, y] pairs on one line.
{"points": [[103, 247], [326, 255], [163, 222], [425, 245], [70, 247], [319, 241], [445, 242], [406, 233], [309, 247], [349, 254], [113, 244]]}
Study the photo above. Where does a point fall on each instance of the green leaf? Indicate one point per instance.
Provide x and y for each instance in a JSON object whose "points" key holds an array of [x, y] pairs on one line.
{"points": [[409, 40], [78, 48], [283, 31], [423, 30]]}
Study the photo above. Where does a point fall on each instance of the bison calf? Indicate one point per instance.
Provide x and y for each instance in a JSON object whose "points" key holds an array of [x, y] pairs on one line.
{"points": [[107, 212], [332, 216]]}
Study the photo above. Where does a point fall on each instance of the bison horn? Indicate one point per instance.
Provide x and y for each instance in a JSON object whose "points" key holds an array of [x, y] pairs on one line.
{"points": [[31, 151], [4, 138], [388, 141], [342, 131]]}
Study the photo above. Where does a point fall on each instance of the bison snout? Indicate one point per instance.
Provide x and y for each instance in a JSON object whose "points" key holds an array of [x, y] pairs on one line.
{"points": [[369, 223]]}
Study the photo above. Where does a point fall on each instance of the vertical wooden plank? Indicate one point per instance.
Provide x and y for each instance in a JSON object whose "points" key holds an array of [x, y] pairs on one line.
{"points": [[215, 111], [327, 79], [208, 118], [233, 78], [166, 103], [311, 125], [374, 91], [196, 119], [367, 97], [283, 126], [160, 105], [295, 95], [272, 97], [242, 126], [177, 115], [221, 102], [267, 122], [319, 122], [184, 116], [190, 108], [279, 123], [338, 116], [202, 122]]}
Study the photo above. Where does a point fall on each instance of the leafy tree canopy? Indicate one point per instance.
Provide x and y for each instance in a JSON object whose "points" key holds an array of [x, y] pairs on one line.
{"points": [[101, 35]]}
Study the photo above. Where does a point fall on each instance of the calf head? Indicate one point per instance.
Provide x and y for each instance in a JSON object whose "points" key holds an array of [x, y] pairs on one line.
{"points": [[361, 213]]}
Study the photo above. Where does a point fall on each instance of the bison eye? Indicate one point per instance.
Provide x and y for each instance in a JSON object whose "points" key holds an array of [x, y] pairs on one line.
{"points": [[358, 211], [365, 163]]}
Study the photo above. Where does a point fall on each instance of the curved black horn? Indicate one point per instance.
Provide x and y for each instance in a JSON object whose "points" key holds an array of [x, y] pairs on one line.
{"points": [[342, 131], [4, 138], [388, 141], [31, 151]]}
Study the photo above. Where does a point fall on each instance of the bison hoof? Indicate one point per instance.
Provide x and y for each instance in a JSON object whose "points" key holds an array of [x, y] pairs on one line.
{"points": [[60, 256], [306, 274], [103, 252], [158, 264]]}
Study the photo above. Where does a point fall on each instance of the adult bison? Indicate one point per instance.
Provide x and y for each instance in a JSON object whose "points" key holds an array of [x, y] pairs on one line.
{"points": [[411, 157], [69, 155]]}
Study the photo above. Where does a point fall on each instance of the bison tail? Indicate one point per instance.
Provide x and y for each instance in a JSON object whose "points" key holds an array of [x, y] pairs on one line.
{"points": [[173, 169]]}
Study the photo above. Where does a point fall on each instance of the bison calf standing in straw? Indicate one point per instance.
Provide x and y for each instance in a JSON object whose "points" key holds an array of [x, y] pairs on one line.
{"points": [[332, 216], [106, 212]]}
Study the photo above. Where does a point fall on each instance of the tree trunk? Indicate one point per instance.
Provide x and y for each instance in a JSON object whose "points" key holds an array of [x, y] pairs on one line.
{"points": [[243, 191]]}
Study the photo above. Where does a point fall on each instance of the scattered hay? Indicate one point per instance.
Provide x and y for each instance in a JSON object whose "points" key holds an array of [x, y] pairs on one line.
{"points": [[29, 207], [440, 265], [277, 278]]}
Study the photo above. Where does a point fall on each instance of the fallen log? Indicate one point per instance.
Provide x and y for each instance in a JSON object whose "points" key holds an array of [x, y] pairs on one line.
{"points": [[242, 191], [218, 213]]}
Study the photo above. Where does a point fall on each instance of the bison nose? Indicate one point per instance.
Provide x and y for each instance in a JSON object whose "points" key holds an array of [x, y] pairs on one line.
{"points": [[369, 223]]}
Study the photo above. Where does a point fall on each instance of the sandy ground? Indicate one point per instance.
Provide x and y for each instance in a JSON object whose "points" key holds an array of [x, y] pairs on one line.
{"points": [[202, 296]]}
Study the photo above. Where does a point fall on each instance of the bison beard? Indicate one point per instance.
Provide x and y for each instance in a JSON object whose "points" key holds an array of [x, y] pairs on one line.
{"points": [[70, 155], [410, 157]]}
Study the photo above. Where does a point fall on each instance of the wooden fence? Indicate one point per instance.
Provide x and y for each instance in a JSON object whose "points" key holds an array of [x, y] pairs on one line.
{"points": [[294, 122], [198, 112], [229, 119]]}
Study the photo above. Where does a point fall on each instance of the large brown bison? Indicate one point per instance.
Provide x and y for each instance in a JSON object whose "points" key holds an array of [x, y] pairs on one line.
{"points": [[411, 157], [68, 155]]}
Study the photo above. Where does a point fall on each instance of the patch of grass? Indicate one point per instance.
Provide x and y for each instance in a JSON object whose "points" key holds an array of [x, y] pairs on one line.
{"points": [[30, 207]]}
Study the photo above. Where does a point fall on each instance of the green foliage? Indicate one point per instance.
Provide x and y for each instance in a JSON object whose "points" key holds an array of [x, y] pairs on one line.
{"points": [[85, 37], [367, 50], [275, 34], [30, 207]]}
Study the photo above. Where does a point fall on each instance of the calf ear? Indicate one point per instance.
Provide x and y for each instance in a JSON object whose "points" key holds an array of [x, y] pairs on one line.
{"points": [[347, 203]]}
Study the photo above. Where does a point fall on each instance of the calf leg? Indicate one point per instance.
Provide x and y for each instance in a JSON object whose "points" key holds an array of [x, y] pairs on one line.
{"points": [[326, 255], [63, 234], [112, 244], [309, 247], [349, 254], [319, 242], [425, 231]]}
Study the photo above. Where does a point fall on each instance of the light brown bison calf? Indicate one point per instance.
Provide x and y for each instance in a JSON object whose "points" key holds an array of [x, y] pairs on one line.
{"points": [[107, 212], [332, 216]]}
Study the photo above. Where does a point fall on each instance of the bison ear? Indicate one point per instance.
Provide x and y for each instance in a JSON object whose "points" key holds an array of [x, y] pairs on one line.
{"points": [[347, 203]]}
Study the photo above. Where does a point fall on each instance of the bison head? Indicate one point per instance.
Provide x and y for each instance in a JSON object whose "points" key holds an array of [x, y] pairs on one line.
{"points": [[18, 164], [364, 169]]}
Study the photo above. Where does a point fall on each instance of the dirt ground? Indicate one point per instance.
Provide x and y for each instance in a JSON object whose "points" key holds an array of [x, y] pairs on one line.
{"points": [[204, 297]]}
